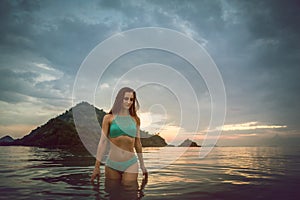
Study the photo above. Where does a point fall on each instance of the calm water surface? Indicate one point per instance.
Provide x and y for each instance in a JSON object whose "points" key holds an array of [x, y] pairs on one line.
{"points": [[226, 173]]}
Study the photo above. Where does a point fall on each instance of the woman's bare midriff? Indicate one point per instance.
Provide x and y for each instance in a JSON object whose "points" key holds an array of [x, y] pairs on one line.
{"points": [[121, 148]]}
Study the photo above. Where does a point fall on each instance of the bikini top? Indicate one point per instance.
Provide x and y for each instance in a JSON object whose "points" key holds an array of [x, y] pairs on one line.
{"points": [[122, 125]]}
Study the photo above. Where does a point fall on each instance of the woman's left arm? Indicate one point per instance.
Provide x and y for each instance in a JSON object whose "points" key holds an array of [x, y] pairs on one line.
{"points": [[138, 149]]}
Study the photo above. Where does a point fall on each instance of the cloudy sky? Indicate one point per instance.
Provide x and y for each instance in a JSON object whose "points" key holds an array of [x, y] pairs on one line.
{"points": [[254, 44]]}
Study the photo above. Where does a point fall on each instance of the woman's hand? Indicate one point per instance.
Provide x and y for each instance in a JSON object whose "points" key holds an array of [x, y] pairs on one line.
{"points": [[96, 174], [145, 172]]}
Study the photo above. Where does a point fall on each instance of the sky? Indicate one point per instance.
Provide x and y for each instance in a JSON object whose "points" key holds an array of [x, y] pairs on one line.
{"points": [[254, 45]]}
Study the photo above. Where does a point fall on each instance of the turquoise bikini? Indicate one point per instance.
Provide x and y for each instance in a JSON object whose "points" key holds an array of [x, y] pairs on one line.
{"points": [[122, 125], [121, 166]]}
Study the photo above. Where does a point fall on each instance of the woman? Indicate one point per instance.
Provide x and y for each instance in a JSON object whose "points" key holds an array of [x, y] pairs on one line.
{"points": [[121, 126]]}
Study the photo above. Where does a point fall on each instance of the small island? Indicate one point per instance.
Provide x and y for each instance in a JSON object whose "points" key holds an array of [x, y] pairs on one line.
{"points": [[188, 143], [6, 140]]}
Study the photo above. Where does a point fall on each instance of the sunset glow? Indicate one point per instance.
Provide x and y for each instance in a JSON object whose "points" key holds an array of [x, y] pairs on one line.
{"points": [[248, 126]]}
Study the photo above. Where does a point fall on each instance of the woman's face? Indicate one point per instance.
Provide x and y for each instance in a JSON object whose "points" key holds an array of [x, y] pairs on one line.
{"points": [[128, 100]]}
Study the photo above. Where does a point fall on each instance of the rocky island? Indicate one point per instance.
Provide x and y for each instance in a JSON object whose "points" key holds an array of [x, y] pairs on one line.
{"points": [[188, 143]]}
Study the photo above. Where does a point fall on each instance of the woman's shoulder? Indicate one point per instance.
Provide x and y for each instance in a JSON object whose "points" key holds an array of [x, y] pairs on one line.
{"points": [[108, 117]]}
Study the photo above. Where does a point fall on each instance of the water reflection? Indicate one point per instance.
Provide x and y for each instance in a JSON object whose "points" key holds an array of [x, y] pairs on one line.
{"points": [[232, 165], [249, 165], [226, 173], [58, 157], [72, 173], [118, 191]]}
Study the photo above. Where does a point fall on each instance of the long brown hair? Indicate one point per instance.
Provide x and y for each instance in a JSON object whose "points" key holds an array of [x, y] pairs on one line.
{"points": [[119, 101]]}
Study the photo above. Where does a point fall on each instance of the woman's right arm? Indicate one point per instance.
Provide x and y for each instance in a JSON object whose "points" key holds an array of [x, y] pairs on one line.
{"points": [[101, 146]]}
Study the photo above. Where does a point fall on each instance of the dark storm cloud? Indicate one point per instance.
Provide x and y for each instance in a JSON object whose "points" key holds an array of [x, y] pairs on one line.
{"points": [[16, 24], [255, 44], [270, 18], [67, 46], [21, 85], [273, 47], [31, 32], [14, 85], [62, 38], [256, 47], [116, 4]]}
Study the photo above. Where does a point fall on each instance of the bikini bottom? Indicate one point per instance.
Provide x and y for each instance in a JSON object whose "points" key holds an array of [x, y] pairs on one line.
{"points": [[121, 166]]}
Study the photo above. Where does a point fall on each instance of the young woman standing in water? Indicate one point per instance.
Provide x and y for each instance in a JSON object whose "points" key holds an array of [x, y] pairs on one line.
{"points": [[121, 127]]}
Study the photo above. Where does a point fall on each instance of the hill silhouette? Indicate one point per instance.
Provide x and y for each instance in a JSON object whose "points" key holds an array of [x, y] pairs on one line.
{"points": [[6, 140], [60, 132], [188, 143]]}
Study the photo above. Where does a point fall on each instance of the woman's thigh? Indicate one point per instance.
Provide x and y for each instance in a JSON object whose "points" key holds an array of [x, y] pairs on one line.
{"points": [[112, 174], [130, 174]]}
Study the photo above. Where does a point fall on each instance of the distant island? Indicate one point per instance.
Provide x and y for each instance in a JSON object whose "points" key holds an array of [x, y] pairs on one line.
{"points": [[188, 143], [60, 132], [6, 140]]}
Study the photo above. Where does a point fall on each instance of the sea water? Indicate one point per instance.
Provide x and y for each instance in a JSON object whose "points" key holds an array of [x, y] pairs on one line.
{"points": [[225, 173]]}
